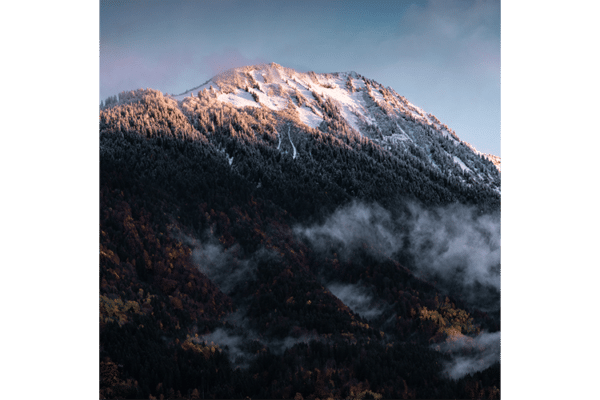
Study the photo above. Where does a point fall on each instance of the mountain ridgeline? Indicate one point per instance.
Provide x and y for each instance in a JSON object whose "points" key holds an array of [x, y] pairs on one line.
{"points": [[278, 234]]}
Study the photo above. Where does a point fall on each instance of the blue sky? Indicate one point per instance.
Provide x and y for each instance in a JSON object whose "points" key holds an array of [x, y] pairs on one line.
{"points": [[443, 56]]}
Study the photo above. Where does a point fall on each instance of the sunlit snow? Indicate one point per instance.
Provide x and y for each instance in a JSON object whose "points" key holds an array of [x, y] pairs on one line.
{"points": [[462, 164], [275, 87], [309, 117], [240, 98]]}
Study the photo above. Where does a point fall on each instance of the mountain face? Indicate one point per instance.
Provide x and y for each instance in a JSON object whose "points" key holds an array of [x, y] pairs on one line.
{"points": [[273, 233], [344, 104], [358, 105]]}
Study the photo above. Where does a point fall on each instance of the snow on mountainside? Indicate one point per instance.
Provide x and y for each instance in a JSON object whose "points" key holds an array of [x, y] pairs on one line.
{"points": [[362, 100], [495, 160], [360, 106]]}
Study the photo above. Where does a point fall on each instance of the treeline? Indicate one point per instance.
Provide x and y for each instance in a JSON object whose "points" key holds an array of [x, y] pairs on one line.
{"points": [[341, 164]]}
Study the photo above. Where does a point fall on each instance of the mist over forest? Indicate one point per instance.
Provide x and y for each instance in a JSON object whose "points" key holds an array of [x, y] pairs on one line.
{"points": [[247, 253]]}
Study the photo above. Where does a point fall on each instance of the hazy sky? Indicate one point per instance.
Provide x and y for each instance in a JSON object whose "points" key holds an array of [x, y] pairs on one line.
{"points": [[443, 56]]}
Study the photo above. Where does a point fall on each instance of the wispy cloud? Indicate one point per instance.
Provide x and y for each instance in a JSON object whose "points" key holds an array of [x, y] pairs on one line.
{"points": [[226, 267], [455, 237], [356, 298], [453, 244], [352, 227], [458, 245], [470, 355]]}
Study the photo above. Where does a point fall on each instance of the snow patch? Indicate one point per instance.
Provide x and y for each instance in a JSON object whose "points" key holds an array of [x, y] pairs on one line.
{"points": [[402, 130], [378, 96], [308, 117], [358, 83], [271, 102], [240, 98], [397, 137], [461, 164], [294, 147]]}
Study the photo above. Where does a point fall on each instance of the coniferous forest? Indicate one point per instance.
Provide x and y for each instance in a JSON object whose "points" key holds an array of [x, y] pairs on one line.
{"points": [[244, 254]]}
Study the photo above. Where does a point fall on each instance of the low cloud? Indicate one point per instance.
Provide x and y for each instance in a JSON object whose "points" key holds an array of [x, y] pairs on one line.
{"points": [[457, 245], [357, 299], [221, 265], [278, 346], [243, 343], [352, 227], [223, 338], [225, 267], [470, 355], [454, 245], [228, 267]]}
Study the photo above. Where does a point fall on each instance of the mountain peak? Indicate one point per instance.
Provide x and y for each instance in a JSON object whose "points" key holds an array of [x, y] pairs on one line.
{"points": [[363, 102], [345, 103], [264, 204]]}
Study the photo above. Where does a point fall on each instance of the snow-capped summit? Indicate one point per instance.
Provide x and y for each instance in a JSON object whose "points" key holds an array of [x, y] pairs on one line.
{"points": [[363, 102], [291, 104], [367, 107]]}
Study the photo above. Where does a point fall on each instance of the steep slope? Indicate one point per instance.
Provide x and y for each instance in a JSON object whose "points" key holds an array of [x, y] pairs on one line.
{"points": [[273, 233], [362, 105], [495, 160]]}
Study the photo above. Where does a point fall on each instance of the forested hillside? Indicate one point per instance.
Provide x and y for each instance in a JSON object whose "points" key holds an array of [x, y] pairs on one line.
{"points": [[245, 253]]}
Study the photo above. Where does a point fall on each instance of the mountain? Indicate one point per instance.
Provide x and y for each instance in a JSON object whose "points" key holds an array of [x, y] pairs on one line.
{"points": [[365, 107], [273, 233]]}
